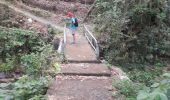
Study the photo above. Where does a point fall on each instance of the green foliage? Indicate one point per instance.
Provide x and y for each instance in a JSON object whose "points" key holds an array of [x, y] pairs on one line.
{"points": [[30, 53], [145, 76], [6, 67], [132, 31], [57, 67], [35, 63], [19, 46], [25, 50], [52, 31], [12, 43], [31, 63], [158, 91], [127, 88], [132, 34], [25, 88], [18, 41]]}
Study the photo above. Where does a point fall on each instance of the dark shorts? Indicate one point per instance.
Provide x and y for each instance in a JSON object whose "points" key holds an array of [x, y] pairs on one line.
{"points": [[73, 30]]}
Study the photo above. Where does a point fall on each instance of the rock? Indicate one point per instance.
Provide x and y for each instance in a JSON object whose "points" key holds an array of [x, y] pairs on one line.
{"points": [[56, 42], [2, 75], [7, 80], [30, 20]]}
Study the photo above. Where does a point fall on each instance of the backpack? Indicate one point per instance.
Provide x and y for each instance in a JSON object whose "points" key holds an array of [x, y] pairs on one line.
{"points": [[76, 22]]}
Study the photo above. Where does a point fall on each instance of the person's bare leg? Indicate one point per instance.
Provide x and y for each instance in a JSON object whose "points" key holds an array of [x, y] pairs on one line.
{"points": [[74, 38]]}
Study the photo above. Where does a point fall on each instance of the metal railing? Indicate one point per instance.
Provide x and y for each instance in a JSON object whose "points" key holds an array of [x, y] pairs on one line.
{"points": [[92, 40], [63, 41], [65, 35]]}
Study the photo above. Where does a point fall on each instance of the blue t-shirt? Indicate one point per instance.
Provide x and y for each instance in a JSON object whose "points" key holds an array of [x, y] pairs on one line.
{"points": [[72, 21]]}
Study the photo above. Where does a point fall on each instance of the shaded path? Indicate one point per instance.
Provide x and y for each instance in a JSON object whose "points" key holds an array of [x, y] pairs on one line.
{"points": [[30, 15], [83, 77]]}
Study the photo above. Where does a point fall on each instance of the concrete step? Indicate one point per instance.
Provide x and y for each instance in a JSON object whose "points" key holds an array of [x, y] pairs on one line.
{"points": [[83, 61], [85, 69], [80, 88]]}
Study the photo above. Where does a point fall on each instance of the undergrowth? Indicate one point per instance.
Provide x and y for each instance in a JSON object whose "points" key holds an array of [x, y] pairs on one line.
{"points": [[34, 56], [25, 88], [134, 34]]}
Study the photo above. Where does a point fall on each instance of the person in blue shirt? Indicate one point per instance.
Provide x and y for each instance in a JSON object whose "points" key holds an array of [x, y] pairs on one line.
{"points": [[72, 27]]}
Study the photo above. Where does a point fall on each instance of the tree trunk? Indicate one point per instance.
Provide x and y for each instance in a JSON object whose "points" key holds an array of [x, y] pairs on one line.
{"points": [[90, 10]]}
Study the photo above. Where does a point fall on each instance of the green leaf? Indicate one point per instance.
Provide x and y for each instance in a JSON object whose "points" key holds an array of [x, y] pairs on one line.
{"points": [[163, 96], [143, 95], [158, 96], [4, 85], [57, 66], [155, 85], [166, 75]]}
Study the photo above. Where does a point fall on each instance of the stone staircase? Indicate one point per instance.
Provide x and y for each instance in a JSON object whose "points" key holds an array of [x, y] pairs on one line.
{"points": [[83, 77]]}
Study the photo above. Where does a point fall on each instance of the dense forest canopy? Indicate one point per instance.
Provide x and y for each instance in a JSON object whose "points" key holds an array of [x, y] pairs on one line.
{"points": [[135, 31], [135, 34]]}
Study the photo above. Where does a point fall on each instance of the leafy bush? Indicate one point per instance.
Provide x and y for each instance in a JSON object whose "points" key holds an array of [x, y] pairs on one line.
{"points": [[25, 88], [127, 88], [158, 91], [132, 34], [35, 63], [145, 76], [19, 46], [6, 67], [17, 42], [132, 31], [31, 63], [30, 53]]}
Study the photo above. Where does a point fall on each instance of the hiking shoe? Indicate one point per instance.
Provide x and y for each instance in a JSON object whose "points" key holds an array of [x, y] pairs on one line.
{"points": [[72, 42]]}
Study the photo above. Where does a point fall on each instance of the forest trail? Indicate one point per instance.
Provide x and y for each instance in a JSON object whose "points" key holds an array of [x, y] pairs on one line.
{"points": [[30, 15], [83, 77]]}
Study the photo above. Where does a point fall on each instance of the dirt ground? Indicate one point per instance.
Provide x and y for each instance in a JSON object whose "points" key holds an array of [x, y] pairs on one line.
{"points": [[15, 19], [58, 8], [40, 8]]}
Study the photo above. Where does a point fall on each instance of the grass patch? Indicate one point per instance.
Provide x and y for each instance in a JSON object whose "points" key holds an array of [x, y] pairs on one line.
{"points": [[126, 89], [25, 88], [141, 76]]}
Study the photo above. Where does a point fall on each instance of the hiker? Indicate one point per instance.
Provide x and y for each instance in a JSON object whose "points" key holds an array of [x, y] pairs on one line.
{"points": [[73, 25]]}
